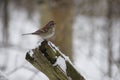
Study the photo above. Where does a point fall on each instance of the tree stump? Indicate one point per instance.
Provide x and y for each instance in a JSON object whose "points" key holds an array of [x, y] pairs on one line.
{"points": [[52, 62]]}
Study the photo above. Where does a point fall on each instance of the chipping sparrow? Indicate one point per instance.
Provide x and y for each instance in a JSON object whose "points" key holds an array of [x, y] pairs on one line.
{"points": [[46, 32]]}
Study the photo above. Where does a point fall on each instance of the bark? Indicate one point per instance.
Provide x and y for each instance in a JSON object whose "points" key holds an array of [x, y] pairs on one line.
{"points": [[45, 58]]}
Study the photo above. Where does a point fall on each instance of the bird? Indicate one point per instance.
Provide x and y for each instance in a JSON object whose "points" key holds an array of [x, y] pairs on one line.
{"points": [[45, 32]]}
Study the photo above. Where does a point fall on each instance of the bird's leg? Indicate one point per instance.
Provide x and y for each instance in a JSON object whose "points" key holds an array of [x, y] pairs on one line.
{"points": [[45, 40]]}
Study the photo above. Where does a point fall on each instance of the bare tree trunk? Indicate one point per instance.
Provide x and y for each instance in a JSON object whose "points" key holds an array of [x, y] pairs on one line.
{"points": [[109, 28], [110, 53], [5, 22], [61, 12], [5, 32]]}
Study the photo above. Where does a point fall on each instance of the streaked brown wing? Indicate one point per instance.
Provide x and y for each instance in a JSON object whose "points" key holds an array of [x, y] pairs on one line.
{"points": [[45, 29], [38, 32], [42, 31]]}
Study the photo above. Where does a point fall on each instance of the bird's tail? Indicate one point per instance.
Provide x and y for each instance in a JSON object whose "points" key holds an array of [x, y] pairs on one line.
{"points": [[27, 34]]}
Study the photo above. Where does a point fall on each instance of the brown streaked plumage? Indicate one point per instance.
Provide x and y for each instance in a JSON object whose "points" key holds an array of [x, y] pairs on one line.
{"points": [[46, 32]]}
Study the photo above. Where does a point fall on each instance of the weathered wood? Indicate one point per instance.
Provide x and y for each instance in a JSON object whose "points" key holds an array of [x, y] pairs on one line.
{"points": [[45, 58]]}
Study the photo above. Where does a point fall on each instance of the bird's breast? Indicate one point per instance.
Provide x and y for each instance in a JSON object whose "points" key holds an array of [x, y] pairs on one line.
{"points": [[48, 34]]}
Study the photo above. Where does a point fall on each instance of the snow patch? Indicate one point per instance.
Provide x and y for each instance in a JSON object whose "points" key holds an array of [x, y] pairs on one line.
{"points": [[61, 62], [53, 46]]}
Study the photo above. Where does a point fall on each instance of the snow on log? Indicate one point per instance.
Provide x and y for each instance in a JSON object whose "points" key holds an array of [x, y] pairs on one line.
{"points": [[52, 62]]}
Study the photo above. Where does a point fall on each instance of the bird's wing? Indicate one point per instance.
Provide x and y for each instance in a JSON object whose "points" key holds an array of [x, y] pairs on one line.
{"points": [[39, 31], [44, 29]]}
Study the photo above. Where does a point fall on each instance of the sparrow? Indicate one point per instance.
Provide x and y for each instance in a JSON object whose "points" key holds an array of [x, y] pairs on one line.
{"points": [[45, 32]]}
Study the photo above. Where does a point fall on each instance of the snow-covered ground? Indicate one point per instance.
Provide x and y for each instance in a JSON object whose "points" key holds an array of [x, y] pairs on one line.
{"points": [[91, 67]]}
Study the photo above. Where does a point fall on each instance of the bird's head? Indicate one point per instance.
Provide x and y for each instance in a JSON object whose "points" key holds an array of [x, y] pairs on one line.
{"points": [[51, 23]]}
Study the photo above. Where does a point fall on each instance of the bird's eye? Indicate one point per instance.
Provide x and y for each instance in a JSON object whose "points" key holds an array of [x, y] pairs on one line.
{"points": [[52, 24]]}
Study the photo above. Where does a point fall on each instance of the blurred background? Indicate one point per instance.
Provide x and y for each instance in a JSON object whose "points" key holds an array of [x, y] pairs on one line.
{"points": [[88, 31]]}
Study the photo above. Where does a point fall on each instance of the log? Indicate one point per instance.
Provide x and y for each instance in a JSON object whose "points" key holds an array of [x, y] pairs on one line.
{"points": [[48, 59]]}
